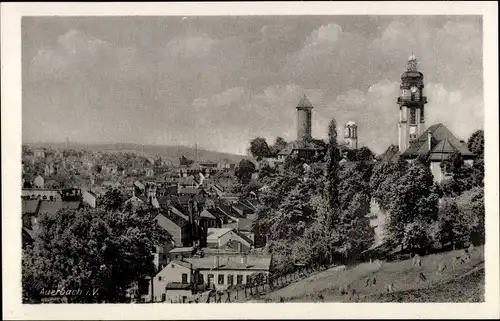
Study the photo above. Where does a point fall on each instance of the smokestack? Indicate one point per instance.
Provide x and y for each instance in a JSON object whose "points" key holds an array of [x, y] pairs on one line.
{"points": [[429, 140]]}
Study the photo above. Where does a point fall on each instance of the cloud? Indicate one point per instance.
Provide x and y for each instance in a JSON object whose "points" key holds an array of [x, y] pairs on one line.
{"points": [[78, 55]]}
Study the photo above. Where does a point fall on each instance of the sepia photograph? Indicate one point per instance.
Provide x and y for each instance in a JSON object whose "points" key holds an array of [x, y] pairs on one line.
{"points": [[190, 158]]}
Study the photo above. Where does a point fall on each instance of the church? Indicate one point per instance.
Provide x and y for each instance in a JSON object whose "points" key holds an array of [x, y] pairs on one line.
{"points": [[436, 142]]}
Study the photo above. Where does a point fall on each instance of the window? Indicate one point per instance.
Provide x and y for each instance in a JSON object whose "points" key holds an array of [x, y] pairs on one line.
{"points": [[184, 298], [200, 279], [164, 256], [230, 279], [413, 116], [159, 278], [239, 279], [210, 278], [184, 278], [248, 279], [221, 279], [163, 297]]}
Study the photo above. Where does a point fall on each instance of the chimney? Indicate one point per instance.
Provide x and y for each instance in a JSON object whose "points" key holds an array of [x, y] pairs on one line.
{"points": [[244, 260], [429, 140]]}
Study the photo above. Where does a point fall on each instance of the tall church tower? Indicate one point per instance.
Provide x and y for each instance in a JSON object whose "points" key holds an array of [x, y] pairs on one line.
{"points": [[351, 135], [304, 119], [411, 104]]}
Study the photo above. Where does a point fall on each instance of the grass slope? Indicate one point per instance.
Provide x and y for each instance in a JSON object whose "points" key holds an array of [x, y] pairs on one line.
{"points": [[451, 285]]}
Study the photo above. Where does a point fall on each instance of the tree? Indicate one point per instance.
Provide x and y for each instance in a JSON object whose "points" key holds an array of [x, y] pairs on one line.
{"points": [[113, 199], [91, 250], [453, 163], [365, 154], [332, 167], [279, 145], [259, 148], [412, 203], [244, 171], [476, 143]]}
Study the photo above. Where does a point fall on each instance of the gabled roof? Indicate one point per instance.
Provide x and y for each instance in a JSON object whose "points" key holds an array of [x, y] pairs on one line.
{"points": [[439, 133], [177, 220], [206, 214], [30, 206], [242, 207], [304, 102], [213, 234], [190, 191], [54, 206]]}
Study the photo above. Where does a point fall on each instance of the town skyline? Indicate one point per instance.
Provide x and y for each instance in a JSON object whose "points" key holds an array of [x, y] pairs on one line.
{"points": [[167, 80]]}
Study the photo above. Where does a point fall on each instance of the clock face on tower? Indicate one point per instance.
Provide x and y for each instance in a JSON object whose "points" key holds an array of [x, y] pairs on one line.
{"points": [[414, 89]]}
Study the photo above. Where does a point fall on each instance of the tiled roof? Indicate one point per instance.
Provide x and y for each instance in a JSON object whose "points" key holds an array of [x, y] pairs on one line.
{"points": [[242, 207], [30, 206], [54, 206], [213, 234], [178, 286], [176, 219], [439, 133], [190, 190], [182, 263], [181, 249]]}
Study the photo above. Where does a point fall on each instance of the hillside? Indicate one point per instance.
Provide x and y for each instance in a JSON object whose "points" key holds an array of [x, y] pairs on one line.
{"points": [[464, 283], [168, 152]]}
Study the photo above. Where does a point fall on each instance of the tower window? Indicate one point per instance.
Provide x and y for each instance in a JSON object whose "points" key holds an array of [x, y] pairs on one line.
{"points": [[413, 116]]}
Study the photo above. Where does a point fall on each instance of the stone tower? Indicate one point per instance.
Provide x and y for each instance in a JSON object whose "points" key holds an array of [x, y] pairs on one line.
{"points": [[411, 104], [304, 119], [351, 135]]}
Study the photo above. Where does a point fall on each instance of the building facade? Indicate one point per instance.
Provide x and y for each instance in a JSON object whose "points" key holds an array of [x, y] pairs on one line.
{"points": [[351, 135]]}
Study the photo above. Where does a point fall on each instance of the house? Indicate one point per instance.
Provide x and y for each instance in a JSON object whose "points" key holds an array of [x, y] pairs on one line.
{"points": [[38, 182], [227, 237], [180, 253], [437, 143], [161, 255], [89, 198], [28, 237], [39, 152], [222, 271], [178, 227], [137, 202], [41, 194], [176, 272], [29, 213]]}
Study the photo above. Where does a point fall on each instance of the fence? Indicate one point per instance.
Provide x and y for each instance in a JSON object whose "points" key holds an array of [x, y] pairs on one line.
{"points": [[248, 291]]}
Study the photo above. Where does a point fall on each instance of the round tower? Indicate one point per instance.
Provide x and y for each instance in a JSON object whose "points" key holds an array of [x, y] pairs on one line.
{"points": [[304, 119], [351, 135]]}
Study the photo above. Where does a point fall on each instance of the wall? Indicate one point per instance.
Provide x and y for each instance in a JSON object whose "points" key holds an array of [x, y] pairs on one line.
{"points": [[225, 273], [42, 192], [89, 199], [436, 171], [177, 295], [171, 273]]}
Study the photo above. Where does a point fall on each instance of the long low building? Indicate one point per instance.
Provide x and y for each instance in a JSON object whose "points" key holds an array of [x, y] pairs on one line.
{"points": [[182, 278]]}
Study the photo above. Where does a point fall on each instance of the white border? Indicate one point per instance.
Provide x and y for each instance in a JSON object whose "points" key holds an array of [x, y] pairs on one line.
{"points": [[11, 164]]}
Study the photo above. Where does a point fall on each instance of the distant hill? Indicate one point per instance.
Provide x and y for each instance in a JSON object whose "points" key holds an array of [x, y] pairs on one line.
{"points": [[167, 152]]}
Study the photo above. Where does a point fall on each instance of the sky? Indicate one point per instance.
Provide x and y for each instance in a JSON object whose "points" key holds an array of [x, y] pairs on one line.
{"points": [[218, 82]]}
